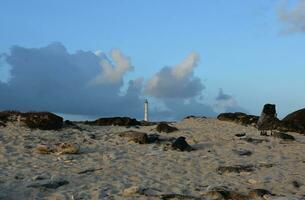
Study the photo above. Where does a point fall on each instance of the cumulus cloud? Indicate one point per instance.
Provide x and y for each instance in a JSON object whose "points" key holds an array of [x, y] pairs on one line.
{"points": [[226, 103], [293, 19], [112, 72], [52, 79], [177, 81]]}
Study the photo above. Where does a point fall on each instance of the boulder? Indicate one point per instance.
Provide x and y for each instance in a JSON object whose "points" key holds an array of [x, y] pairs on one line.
{"points": [[268, 119], [114, 121], [135, 136], [259, 193], [43, 120], [238, 117], [195, 117], [181, 144], [34, 120], [294, 122], [164, 127], [283, 136]]}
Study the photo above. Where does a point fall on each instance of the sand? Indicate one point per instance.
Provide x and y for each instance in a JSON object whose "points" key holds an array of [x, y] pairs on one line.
{"points": [[110, 167]]}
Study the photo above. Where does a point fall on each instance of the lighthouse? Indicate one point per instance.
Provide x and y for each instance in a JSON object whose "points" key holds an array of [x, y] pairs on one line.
{"points": [[146, 110]]}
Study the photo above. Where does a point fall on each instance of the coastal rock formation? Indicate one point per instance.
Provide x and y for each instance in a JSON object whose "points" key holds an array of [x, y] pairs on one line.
{"points": [[239, 117], [268, 120], [164, 127], [137, 137], [181, 144], [114, 121], [33, 120], [294, 122]]}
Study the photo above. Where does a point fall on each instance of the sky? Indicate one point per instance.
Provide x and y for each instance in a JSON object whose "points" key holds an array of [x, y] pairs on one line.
{"points": [[188, 57]]}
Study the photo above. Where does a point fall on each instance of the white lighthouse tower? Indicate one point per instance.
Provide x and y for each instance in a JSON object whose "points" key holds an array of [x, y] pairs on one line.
{"points": [[146, 110]]}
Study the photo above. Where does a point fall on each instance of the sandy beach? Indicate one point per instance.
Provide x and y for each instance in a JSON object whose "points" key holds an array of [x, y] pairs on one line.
{"points": [[108, 166]]}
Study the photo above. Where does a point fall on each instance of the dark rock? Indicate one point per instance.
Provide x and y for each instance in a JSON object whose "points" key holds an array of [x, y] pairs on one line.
{"points": [[296, 184], [137, 137], [146, 123], [254, 140], [242, 152], [39, 120], [152, 138], [224, 194], [235, 169], [240, 134], [178, 197], [53, 184], [181, 144], [43, 121], [195, 117], [283, 136], [164, 127], [114, 121], [268, 119], [259, 193], [294, 122], [238, 117]]}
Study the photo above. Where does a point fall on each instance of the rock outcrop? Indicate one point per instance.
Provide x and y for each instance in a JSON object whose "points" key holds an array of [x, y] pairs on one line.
{"points": [[294, 122], [268, 120], [34, 120], [181, 144], [164, 127], [137, 137], [114, 121], [239, 117]]}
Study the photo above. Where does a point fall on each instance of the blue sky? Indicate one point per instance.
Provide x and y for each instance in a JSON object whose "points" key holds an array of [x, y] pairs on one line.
{"points": [[243, 46]]}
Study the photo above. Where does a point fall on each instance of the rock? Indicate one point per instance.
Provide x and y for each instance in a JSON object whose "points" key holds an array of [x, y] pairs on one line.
{"points": [[137, 137], [181, 144], [114, 121], [235, 169], [164, 127], [259, 193], [238, 117], [195, 117], [52, 184], [296, 184], [240, 134], [242, 152], [268, 119], [67, 148], [222, 193], [44, 149], [294, 122], [283, 136], [61, 148], [254, 140], [33, 120], [131, 191]]}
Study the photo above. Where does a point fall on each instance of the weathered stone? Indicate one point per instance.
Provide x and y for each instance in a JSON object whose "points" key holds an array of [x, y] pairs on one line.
{"points": [[259, 193], [254, 140], [181, 144], [238, 117], [131, 191], [222, 193], [283, 136], [34, 120], [52, 184], [268, 119], [294, 122], [242, 152], [235, 169], [61, 148], [195, 117], [240, 134], [114, 121], [164, 127], [137, 137]]}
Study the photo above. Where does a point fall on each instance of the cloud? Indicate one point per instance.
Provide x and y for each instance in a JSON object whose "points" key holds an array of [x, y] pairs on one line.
{"points": [[226, 103], [112, 73], [293, 19], [52, 79], [176, 82]]}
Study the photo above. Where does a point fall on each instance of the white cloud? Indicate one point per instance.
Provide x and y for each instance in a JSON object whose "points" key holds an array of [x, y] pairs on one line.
{"points": [[226, 103], [177, 81], [112, 72]]}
